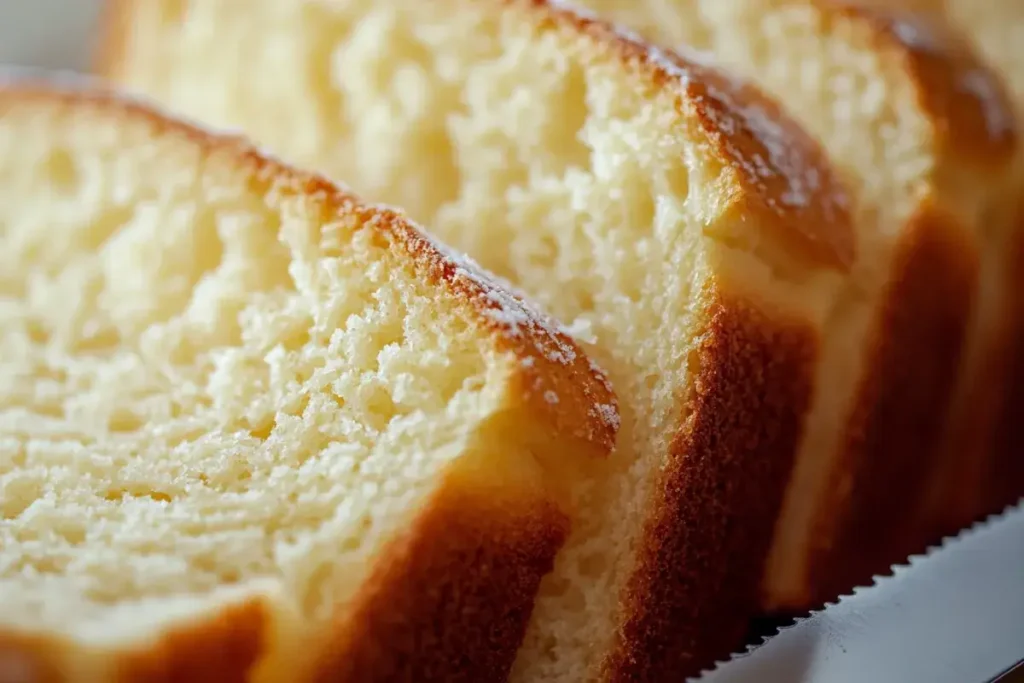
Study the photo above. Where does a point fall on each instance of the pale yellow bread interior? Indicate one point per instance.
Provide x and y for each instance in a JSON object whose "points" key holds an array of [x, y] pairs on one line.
{"points": [[240, 411], [689, 234], [925, 137]]}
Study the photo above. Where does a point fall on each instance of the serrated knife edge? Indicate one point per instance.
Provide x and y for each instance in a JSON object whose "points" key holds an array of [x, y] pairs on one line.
{"points": [[952, 615]]}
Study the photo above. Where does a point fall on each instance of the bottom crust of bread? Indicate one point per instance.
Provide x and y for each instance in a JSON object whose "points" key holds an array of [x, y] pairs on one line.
{"points": [[481, 554], [895, 429], [696, 581]]}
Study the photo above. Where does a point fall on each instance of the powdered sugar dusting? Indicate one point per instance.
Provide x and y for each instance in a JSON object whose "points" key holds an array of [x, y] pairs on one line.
{"points": [[601, 375], [508, 307], [608, 414], [514, 312], [581, 329]]}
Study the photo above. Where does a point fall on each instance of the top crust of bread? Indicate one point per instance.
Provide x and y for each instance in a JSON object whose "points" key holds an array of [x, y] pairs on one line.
{"points": [[247, 638]]}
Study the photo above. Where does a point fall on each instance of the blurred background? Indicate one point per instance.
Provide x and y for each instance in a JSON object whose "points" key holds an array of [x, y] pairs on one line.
{"points": [[54, 34]]}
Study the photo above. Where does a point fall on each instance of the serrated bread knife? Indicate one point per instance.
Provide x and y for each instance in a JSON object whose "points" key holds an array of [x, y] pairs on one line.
{"points": [[954, 615]]}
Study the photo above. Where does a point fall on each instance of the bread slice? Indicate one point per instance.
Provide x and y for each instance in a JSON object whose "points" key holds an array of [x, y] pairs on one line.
{"points": [[925, 135], [986, 471], [687, 231], [252, 429]]}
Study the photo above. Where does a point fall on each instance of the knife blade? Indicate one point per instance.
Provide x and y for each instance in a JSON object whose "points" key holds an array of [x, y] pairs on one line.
{"points": [[953, 615]]}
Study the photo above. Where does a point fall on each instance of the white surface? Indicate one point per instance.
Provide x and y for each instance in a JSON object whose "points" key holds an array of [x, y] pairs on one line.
{"points": [[954, 617]]}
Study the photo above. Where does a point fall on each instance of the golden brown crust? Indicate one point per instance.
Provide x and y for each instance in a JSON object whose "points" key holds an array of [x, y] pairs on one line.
{"points": [[483, 569], [879, 480], [695, 583]]}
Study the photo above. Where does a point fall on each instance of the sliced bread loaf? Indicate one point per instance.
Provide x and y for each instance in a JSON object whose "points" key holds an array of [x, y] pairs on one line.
{"points": [[925, 134], [685, 229], [252, 429]]}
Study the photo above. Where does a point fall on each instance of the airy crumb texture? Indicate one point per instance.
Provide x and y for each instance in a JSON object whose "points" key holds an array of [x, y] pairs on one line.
{"points": [[242, 413], [925, 136], [683, 228]]}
